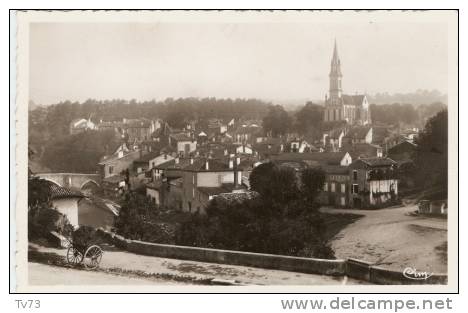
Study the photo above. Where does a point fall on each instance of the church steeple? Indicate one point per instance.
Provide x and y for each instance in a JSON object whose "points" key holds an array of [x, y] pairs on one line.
{"points": [[335, 78]]}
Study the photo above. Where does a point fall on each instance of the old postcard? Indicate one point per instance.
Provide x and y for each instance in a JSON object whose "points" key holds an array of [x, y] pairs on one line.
{"points": [[236, 151]]}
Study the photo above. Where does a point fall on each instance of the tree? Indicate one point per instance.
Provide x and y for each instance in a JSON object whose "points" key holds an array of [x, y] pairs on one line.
{"points": [[79, 153], [309, 118], [277, 122], [312, 181], [274, 183], [431, 156]]}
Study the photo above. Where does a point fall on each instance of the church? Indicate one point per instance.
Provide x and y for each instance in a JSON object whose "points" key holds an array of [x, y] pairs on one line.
{"points": [[354, 109]]}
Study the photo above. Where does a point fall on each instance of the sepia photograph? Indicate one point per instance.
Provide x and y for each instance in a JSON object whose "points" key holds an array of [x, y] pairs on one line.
{"points": [[234, 151]]}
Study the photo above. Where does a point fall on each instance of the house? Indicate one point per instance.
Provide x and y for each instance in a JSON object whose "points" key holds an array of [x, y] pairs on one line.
{"points": [[204, 178], [122, 159], [81, 210], [150, 160], [247, 133], [139, 129], [65, 200], [197, 181], [373, 182], [80, 125], [183, 144]]}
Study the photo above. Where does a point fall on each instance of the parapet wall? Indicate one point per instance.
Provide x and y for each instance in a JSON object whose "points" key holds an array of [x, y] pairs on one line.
{"points": [[353, 268]]}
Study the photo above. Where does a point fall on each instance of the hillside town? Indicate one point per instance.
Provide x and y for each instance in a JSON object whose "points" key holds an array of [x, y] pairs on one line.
{"points": [[206, 166]]}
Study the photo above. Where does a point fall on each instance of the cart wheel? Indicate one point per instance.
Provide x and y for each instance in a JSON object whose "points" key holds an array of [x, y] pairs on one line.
{"points": [[74, 257], [92, 257]]}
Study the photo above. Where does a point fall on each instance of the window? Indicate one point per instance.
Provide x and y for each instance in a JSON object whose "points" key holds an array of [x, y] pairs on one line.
{"points": [[343, 188], [325, 187], [355, 175], [111, 169], [332, 187], [355, 188]]}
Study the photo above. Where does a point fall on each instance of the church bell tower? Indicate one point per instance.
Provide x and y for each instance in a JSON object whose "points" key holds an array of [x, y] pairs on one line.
{"points": [[335, 79]]}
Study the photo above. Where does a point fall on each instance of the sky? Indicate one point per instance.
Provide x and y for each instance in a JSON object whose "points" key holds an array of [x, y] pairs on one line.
{"points": [[274, 61]]}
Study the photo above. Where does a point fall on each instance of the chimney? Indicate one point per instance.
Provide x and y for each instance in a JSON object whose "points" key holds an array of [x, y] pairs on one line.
{"points": [[207, 165]]}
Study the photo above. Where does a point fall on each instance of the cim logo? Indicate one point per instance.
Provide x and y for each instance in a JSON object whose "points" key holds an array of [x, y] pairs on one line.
{"points": [[412, 273]]}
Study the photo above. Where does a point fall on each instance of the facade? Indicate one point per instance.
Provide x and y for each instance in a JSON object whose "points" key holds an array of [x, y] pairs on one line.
{"points": [[373, 182], [335, 191], [354, 109]]}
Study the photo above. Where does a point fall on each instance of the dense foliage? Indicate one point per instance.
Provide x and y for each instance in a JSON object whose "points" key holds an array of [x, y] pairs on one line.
{"points": [[277, 122], [309, 118], [409, 114], [140, 219], [283, 219], [431, 156], [79, 153]]}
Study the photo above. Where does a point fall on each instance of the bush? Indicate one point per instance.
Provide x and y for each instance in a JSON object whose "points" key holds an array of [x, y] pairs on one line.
{"points": [[43, 220], [84, 237]]}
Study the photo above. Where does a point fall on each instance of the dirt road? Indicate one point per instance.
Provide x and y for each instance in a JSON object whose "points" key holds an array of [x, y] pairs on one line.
{"points": [[41, 274], [395, 239], [174, 269]]}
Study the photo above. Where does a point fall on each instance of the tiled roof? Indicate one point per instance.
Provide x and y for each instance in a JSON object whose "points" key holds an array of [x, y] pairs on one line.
{"points": [[321, 157], [374, 162], [58, 192], [213, 165]]}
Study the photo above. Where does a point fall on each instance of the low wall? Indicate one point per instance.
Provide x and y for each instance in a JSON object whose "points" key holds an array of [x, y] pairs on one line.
{"points": [[270, 261], [358, 269]]}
